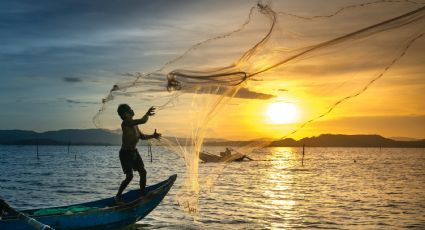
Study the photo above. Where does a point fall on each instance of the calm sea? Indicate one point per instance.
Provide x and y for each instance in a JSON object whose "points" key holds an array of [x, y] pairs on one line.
{"points": [[337, 188]]}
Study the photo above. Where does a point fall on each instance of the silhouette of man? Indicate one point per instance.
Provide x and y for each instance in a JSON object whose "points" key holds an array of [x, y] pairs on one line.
{"points": [[226, 153], [129, 156]]}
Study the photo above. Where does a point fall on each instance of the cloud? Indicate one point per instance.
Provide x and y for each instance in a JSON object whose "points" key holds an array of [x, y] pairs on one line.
{"points": [[243, 93], [71, 101], [246, 93], [72, 79]]}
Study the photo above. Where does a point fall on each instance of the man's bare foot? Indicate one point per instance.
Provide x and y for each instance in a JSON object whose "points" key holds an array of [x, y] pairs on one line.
{"points": [[118, 200], [142, 193]]}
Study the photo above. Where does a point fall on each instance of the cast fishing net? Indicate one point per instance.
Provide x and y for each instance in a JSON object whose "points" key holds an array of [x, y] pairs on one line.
{"points": [[316, 60]]}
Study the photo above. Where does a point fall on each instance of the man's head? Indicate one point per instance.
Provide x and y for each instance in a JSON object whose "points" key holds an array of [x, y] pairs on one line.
{"points": [[125, 111]]}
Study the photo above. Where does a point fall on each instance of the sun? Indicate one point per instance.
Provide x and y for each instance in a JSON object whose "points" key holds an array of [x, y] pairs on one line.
{"points": [[282, 113]]}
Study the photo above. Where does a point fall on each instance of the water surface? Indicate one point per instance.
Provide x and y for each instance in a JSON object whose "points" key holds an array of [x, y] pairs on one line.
{"points": [[337, 188]]}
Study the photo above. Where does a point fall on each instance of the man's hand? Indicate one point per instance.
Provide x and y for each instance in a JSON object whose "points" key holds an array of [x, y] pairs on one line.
{"points": [[151, 111], [156, 135]]}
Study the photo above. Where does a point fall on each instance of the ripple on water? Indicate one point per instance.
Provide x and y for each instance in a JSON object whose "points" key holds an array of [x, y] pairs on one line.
{"points": [[382, 190]]}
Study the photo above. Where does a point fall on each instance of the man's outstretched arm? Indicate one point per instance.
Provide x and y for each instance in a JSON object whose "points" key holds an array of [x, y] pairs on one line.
{"points": [[147, 137], [143, 120]]}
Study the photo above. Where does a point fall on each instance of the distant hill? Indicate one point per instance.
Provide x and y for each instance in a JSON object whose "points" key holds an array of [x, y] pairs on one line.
{"points": [[404, 139], [105, 137], [339, 140], [77, 137], [60, 137]]}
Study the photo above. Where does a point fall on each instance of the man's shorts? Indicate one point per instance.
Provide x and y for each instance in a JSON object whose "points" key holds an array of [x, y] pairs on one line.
{"points": [[131, 160]]}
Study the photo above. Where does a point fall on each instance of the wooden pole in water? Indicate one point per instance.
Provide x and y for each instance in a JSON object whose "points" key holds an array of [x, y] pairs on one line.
{"points": [[150, 150], [37, 148], [75, 152], [302, 160], [69, 142]]}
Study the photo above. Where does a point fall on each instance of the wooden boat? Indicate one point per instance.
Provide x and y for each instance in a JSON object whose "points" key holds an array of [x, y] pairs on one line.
{"points": [[100, 214], [208, 157]]}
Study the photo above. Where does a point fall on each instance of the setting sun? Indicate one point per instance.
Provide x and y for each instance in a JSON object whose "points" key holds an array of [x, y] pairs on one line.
{"points": [[282, 113]]}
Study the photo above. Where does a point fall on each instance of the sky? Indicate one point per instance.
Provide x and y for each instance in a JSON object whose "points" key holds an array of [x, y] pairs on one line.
{"points": [[58, 59]]}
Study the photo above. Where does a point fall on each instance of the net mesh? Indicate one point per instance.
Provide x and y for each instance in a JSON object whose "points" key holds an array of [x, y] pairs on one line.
{"points": [[317, 62]]}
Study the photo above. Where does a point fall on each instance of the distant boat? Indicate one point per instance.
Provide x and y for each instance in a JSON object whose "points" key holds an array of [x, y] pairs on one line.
{"points": [[208, 157], [100, 214]]}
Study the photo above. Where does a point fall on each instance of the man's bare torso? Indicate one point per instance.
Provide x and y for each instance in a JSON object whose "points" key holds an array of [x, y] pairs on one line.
{"points": [[130, 136]]}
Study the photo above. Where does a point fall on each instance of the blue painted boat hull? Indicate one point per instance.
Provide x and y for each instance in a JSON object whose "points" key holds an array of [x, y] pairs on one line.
{"points": [[104, 215]]}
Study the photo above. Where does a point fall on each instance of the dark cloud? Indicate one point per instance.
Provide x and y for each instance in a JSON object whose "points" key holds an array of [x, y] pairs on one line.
{"points": [[243, 93], [51, 37], [70, 101], [126, 94], [72, 79], [246, 93]]}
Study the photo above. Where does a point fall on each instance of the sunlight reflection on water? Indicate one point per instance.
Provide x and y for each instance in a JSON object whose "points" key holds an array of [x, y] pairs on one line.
{"points": [[382, 189]]}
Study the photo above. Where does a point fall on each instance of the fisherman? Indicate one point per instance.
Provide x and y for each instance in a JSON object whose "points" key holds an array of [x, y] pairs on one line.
{"points": [[129, 156], [226, 153]]}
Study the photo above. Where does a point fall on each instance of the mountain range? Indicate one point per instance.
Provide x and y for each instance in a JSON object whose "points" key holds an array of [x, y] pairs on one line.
{"points": [[339, 140], [105, 137], [60, 137]]}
